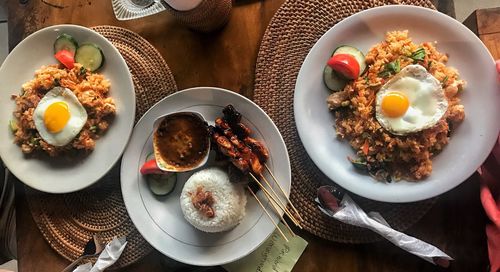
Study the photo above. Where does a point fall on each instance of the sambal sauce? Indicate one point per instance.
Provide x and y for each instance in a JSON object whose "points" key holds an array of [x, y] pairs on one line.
{"points": [[181, 140]]}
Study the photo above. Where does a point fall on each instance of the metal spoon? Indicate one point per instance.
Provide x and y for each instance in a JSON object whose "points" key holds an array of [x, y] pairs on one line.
{"points": [[93, 248]]}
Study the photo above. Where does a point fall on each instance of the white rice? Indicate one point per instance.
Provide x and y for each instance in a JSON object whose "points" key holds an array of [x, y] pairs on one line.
{"points": [[229, 200]]}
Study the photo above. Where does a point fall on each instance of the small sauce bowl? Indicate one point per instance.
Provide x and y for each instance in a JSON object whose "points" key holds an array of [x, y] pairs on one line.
{"points": [[181, 142]]}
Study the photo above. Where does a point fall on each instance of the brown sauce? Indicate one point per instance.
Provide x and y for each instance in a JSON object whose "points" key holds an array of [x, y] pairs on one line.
{"points": [[182, 140]]}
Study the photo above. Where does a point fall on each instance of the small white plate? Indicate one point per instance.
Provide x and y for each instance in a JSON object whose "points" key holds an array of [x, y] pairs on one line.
{"points": [[470, 143], [59, 175], [160, 219]]}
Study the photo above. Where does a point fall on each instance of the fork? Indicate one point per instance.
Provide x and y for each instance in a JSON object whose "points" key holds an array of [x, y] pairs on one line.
{"points": [[93, 248]]}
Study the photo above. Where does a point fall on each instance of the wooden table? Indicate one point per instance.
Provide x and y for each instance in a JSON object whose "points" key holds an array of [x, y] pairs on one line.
{"points": [[227, 59]]}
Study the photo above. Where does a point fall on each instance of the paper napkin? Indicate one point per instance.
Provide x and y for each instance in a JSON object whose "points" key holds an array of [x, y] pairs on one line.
{"points": [[350, 213], [107, 257], [275, 254]]}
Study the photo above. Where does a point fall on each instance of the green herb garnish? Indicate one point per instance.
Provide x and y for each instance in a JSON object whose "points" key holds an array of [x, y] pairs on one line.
{"points": [[445, 79], [390, 68], [418, 55], [359, 163], [93, 129], [35, 141], [429, 65], [82, 71]]}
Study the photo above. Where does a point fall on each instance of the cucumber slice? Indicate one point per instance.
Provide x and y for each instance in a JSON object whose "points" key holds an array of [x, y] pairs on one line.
{"points": [[90, 56], [65, 42], [162, 185], [358, 55], [332, 80]]}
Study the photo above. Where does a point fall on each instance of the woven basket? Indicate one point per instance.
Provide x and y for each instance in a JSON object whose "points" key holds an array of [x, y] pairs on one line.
{"points": [[68, 221], [209, 15], [288, 39]]}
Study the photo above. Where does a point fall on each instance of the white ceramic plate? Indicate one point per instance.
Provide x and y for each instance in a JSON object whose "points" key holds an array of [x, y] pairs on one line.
{"points": [[160, 219], [57, 175], [469, 144]]}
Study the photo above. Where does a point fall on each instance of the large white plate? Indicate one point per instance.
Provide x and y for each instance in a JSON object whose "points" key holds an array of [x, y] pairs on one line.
{"points": [[160, 219], [470, 143], [58, 175]]}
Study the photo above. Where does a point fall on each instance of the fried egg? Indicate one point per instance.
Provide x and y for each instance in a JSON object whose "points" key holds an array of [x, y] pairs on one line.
{"points": [[413, 100], [59, 116]]}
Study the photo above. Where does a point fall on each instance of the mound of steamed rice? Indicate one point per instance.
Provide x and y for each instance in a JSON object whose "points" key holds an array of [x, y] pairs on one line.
{"points": [[228, 205]]}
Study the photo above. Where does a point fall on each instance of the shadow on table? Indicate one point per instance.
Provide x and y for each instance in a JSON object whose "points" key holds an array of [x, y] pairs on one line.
{"points": [[175, 266], [245, 2]]}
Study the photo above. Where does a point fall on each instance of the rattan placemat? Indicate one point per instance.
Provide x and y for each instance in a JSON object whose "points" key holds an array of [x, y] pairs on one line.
{"points": [[294, 29], [68, 221]]}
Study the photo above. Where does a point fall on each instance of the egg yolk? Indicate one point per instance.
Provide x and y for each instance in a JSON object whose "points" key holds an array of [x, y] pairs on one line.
{"points": [[56, 116], [395, 104]]}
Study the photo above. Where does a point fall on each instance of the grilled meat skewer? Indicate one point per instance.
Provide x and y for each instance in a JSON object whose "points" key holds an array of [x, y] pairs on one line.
{"points": [[226, 147], [257, 147], [245, 152]]}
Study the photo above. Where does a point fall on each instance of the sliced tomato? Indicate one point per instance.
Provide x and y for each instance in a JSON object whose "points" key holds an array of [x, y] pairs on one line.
{"points": [[66, 58], [345, 64], [150, 167]]}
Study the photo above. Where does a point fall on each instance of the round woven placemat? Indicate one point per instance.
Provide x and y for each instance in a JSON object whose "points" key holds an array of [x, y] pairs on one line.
{"points": [[294, 29], [68, 221]]}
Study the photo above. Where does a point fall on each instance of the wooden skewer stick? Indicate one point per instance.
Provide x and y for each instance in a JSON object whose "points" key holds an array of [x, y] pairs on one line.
{"points": [[283, 220], [274, 192], [283, 191], [270, 218], [271, 197], [273, 203]]}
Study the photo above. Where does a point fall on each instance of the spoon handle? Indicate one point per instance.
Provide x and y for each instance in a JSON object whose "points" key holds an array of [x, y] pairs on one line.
{"points": [[70, 267]]}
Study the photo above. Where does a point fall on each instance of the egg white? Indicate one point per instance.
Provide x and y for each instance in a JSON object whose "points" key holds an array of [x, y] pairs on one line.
{"points": [[425, 94], [78, 116]]}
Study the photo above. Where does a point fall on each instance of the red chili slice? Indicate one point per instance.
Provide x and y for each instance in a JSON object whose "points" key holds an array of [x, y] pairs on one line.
{"points": [[345, 64]]}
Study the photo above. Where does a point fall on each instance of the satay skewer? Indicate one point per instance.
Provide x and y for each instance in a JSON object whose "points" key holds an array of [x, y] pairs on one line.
{"points": [[282, 219], [285, 223], [270, 218], [274, 192], [272, 198], [243, 143], [283, 191]]}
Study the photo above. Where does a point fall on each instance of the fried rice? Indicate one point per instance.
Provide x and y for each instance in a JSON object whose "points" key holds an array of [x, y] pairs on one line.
{"points": [[92, 91], [385, 155]]}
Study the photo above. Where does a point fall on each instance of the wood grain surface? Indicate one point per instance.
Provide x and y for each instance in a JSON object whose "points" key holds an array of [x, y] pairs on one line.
{"points": [[486, 23], [227, 59]]}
